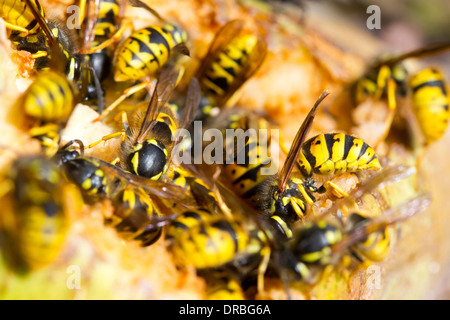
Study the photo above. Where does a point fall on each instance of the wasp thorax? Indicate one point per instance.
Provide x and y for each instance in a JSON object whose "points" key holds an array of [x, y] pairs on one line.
{"points": [[148, 159]]}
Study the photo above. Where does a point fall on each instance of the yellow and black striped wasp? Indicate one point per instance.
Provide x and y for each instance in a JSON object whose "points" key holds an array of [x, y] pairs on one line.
{"points": [[284, 196], [388, 79], [26, 33], [233, 57], [43, 37], [215, 242], [51, 97], [102, 19], [38, 205], [138, 203], [147, 50], [322, 241], [148, 142]]}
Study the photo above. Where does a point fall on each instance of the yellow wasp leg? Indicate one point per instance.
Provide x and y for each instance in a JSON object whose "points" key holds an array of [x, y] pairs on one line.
{"points": [[383, 77], [336, 188], [305, 194], [39, 54], [296, 208], [39, 131], [106, 138], [265, 253], [24, 32], [115, 134], [127, 93], [114, 38], [392, 104]]}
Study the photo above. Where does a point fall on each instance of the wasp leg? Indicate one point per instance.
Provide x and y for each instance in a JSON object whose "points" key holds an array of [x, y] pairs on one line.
{"points": [[127, 93], [392, 104], [49, 136], [382, 81], [305, 194], [114, 38], [296, 204], [110, 136], [339, 192], [39, 54], [24, 31], [262, 268]]}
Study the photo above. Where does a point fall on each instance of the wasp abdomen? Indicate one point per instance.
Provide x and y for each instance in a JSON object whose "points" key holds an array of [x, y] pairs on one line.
{"points": [[333, 153], [430, 103]]}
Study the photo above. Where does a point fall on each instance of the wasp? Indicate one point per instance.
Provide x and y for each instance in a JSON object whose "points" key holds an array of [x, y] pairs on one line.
{"points": [[136, 215], [26, 31], [322, 242], [233, 57], [284, 196], [49, 101], [388, 79], [39, 207], [147, 151], [50, 36], [51, 97], [147, 50], [102, 27], [212, 241]]}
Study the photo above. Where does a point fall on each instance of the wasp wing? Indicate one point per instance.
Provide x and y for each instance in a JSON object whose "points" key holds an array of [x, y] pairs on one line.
{"points": [[140, 4], [159, 189], [219, 43], [297, 144], [421, 52], [164, 88], [254, 62], [380, 180], [389, 217]]}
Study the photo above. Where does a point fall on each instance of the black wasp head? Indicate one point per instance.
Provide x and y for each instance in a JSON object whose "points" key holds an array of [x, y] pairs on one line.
{"points": [[148, 159]]}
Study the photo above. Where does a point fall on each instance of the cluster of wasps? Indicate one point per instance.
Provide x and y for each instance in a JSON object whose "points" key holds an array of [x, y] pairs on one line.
{"points": [[234, 224]]}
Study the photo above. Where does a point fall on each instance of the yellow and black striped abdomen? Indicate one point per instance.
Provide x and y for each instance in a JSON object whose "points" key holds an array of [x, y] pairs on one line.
{"points": [[143, 53], [228, 65], [210, 244], [49, 97], [41, 233], [430, 103], [16, 12], [333, 153], [40, 212], [187, 220], [244, 172], [108, 17]]}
